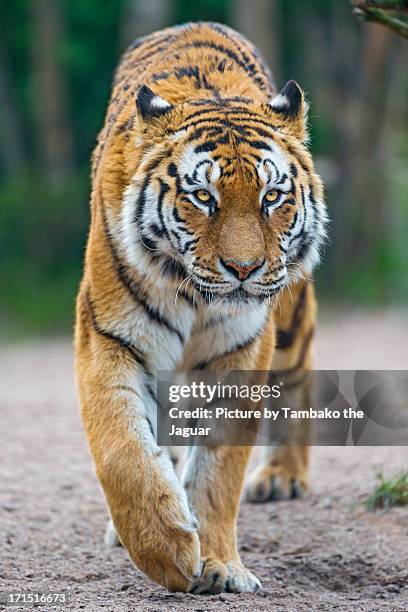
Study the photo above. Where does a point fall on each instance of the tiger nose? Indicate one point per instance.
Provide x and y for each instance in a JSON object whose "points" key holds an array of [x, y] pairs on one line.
{"points": [[241, 269]]}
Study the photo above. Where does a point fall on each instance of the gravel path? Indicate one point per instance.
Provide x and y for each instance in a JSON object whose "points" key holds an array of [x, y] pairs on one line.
{"points": [[322, 553]]}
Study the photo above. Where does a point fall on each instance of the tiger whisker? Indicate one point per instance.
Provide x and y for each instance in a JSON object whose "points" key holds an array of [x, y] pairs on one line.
{"points": [[145, 245], [194, 297], [299, 272], [179, 287], [294, 263], [278, 301], [194, 292]]}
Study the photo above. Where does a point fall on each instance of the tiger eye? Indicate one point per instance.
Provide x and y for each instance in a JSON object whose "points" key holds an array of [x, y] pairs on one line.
{"points": [[271, 196], [203, 195]]}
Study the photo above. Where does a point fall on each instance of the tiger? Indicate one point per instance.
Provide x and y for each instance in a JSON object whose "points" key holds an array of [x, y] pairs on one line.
{"points": [[207, 220]]}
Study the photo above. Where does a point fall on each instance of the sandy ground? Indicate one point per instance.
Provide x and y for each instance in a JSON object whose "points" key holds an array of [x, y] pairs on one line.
{"points": [[322, 553]]}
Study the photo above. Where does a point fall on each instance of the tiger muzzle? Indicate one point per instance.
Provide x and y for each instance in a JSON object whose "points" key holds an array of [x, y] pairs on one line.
{"points": [[242, 270]]}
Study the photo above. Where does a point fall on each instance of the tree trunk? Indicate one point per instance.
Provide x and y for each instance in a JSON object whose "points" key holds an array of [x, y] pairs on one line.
{"points": [[257, 20], [371, 184], [54, 136], [343, 54], [359, 89], [12, 150], [142, 17]]}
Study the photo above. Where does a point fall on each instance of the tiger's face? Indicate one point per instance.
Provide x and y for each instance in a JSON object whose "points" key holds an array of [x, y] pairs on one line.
{"points": [[226, 190]]}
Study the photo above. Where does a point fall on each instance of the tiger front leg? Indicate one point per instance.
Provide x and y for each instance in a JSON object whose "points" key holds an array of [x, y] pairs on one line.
{"points": [[147, 503], [214, 475], [151, 514], [213, 481]]}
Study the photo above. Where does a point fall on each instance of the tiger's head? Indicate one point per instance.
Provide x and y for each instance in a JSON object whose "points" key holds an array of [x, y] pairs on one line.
{"points": [[225, 193]]}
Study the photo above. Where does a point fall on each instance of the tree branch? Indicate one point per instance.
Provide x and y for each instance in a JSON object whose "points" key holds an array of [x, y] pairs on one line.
{"points": [[374, 15], [388, 5]]}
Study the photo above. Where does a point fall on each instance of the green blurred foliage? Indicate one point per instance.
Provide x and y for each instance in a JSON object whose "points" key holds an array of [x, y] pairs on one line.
{"points": [[43, 225], [90, 51], [389, 492], [42, 232], [201, 10]]}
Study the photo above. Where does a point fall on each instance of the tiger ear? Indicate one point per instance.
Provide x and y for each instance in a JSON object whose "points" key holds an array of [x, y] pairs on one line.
{"points": [[150, 105], [291, 106]]}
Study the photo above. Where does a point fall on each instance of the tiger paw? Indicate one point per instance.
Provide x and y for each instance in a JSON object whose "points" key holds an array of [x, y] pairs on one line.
{"points": [[230, 577], [269, 483], [172, 560]]}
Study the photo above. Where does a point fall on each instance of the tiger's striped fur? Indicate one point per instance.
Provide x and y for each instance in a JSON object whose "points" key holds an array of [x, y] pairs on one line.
{"points": [[172, 282]]}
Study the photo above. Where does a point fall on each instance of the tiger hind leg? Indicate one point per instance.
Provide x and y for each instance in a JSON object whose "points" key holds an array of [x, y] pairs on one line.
{"points": [[282, 471], [282, 474]]}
